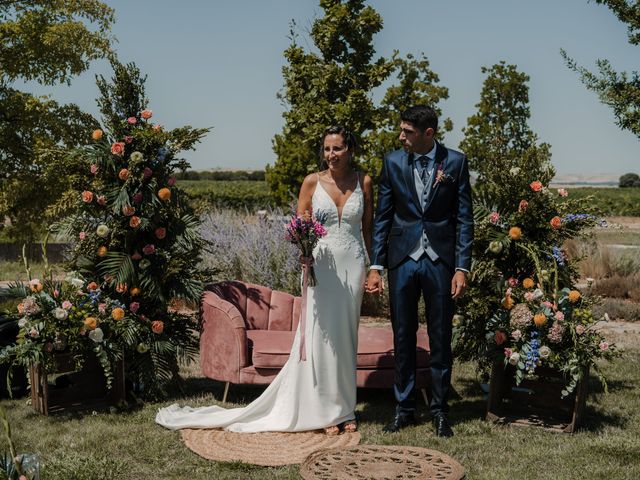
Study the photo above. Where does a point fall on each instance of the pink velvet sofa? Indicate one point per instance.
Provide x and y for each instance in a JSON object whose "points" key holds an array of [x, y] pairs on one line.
{"points": [[247, 331]]}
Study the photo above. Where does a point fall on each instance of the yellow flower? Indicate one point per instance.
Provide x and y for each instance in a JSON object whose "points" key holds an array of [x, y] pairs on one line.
{"points": [[528, 283]]}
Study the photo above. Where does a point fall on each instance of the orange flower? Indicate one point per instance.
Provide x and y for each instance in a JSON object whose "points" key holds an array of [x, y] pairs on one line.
{"points": [[146, 114], [92, 286], [540, 319], [134, 292], [556, 222], [97, 134], [157, 326], [134, 222], [574, 296], [90, 323], [122, 287], [102, 251], [21, 308], [536, 186], [128, 210], [528, 283], [87, 196], [164, 194], [123, 174], [160, 232], [515, 233], [508, 303], [117, 148], [117, 313]]}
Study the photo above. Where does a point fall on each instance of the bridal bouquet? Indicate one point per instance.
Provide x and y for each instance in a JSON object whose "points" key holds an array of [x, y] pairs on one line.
{"points": [[304, 232]]}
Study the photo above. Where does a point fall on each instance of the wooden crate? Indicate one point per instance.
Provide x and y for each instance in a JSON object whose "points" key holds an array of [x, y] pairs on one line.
{"points": [[66, 389], [536, 401]]}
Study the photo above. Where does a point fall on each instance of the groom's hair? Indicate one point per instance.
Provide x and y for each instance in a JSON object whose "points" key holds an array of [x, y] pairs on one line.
{"points": [[421, 116]]}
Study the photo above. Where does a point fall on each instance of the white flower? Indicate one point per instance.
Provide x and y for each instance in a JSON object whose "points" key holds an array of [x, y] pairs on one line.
{"points": [[60, 313], [76, 282], [545, 352], [514, 171], [96, 335], [537, 293], [514, 358], [22, 322], [516, 335], [457, 319], [102, 230], [136, 157]]}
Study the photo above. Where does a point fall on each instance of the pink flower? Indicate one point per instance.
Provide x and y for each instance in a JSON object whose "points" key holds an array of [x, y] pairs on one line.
{"points": [[128, 210], [513, 282], [157, 127], [146, 114], [580, 329], [563, 192], [547, 304], [137, 198], [49, 348], [500, 337], [128, 139], [94, 168], [529, 296], [160, 233], [134, 306], [102, 200], [604, 346], [117, 148], [33, 333], [172, 180], [148, 249], [494, 217], [56, 293], [136, 256], [536, 186], [82, 235], [67, 305], [516, 335], [102, 307], [132, 120], [559, 316], [556, 222], [147, 172], [508, 292], [87, 196], [507, 352]]}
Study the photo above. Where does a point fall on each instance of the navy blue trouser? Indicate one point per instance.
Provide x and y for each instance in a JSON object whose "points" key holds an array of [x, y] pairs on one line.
{"points": [[407, 282]]}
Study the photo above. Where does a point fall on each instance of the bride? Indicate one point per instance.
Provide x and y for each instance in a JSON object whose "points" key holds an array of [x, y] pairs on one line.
{"points": [[319, 392]]}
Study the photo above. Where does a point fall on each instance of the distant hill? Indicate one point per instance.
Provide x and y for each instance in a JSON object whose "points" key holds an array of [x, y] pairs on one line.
{"points": [[586, 180]]}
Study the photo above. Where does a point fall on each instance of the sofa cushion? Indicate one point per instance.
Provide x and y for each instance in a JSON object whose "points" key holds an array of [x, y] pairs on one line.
{"points": [[270, 348], [375, 348]]}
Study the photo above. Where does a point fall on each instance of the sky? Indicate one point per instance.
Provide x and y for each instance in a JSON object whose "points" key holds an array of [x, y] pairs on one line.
{"points": [[218, 63]]}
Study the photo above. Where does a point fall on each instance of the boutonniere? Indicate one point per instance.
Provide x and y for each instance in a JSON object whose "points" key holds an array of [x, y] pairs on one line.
{"points": [[441, 177]]}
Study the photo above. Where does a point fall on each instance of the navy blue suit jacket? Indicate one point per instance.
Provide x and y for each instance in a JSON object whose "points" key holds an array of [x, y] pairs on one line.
{"points": [[447, 218]]}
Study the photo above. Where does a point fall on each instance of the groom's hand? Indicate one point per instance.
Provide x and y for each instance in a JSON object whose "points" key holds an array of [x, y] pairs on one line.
{"points": [[458, 284], [374, 283]]}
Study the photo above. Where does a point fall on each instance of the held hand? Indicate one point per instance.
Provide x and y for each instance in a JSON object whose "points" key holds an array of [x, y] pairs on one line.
{"points": [[458, 284], [374, 283]]}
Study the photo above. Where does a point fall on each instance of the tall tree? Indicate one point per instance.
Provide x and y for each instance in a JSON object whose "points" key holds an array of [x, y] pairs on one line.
{"points": [[618, 90], [501, 147], [48, 42], [334, 85]]}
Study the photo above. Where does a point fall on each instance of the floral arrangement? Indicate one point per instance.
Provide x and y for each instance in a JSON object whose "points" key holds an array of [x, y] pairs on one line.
{"points": [[522, 306], [304, 231], [71, 317]]}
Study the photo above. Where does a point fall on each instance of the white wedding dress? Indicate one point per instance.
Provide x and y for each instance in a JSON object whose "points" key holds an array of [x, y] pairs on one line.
{"points": [[321, 391]]}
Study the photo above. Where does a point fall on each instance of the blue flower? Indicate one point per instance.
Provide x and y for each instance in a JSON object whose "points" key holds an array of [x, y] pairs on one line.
{"points": [[558, 255]]}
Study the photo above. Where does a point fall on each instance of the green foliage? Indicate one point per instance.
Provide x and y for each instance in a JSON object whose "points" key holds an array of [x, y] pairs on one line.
{"points": [[222, 175], [611, 201], [618, 90], [47, 42], [498, 139], [629, 180], [334, 85], [206, 195], [137, 235]]}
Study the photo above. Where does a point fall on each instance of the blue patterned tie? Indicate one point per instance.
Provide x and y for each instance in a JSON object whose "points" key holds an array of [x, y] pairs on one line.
{"points": [[425, 177]]}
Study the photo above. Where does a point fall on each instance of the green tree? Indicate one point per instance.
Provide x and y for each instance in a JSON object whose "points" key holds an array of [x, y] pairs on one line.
{"points": [[498, 139], [618, 90], [48, 42], [629, 180], [334, 85]]}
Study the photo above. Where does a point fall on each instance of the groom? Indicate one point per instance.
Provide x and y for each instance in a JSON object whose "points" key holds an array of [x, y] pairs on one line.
{"points": [[423, 234]]}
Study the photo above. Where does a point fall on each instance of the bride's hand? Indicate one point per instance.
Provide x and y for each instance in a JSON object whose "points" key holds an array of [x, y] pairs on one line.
{"points": [[374, 283]]}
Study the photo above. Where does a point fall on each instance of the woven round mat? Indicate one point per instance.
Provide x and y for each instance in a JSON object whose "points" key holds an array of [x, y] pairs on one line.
{"points": [[381, 462], [267, 448]]}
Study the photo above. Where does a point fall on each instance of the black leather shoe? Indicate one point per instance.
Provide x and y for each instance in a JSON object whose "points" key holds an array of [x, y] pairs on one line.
{"points": [[441, 425], [399, 422]]}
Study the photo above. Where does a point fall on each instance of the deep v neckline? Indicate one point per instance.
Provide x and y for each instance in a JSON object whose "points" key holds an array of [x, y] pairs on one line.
{"points": [[339, 211]]}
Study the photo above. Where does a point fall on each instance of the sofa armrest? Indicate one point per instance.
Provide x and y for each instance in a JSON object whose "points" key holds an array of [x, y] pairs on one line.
{"points": [[223, 339]]}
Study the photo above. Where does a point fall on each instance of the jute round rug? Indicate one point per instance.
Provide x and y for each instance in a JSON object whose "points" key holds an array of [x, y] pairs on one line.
{"points": [[377, 462], [268, 448]]}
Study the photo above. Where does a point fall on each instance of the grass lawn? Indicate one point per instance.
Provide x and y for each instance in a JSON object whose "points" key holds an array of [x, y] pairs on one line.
{"points": [[131, 446]]}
